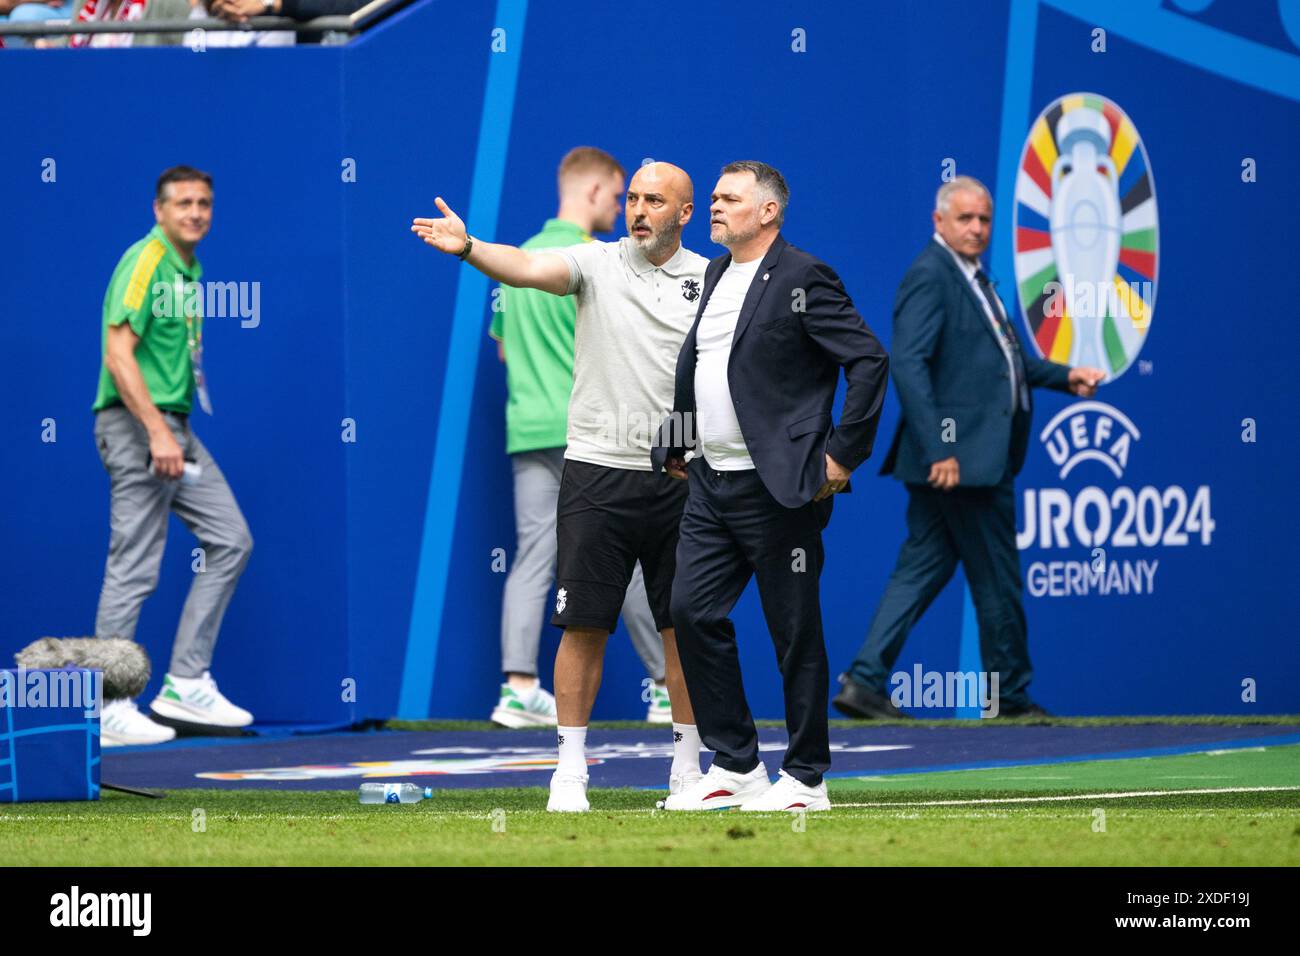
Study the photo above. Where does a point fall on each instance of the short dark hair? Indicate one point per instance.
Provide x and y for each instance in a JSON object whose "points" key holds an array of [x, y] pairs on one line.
{"points": [[769, 179], [180, 174]]}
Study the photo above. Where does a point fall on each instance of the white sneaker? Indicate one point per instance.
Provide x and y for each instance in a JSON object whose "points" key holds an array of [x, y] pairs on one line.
{"points": [[684, 780], [660, 710], [788, 793], [719, 789], [196, 700], [535, 708], [121, 724], [568, 793]]}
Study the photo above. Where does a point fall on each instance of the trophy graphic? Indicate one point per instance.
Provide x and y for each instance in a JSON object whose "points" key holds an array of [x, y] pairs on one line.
{"points": [[1086, 235]]}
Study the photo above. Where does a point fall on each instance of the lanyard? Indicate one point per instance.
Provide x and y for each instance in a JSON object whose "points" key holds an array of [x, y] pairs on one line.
{"points": [[194, 334], [194, 339]]}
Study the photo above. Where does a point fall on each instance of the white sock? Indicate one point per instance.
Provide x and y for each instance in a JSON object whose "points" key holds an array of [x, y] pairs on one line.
{"points": [[686, 748], [573, 749]]}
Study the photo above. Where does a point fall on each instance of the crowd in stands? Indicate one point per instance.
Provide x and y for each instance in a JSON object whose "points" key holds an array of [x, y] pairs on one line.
{"points": [[237, 12]]}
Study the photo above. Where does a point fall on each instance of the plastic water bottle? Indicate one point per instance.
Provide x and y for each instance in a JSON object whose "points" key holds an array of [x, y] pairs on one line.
{"points": [[394, 793]]}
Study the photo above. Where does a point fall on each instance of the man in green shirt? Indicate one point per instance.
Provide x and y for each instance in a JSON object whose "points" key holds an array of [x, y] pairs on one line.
{"points": [[152, 367], [534, 334]]}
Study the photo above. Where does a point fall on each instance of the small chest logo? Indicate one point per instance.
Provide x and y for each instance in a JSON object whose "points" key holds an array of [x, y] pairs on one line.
{"points": [[690, 290]]}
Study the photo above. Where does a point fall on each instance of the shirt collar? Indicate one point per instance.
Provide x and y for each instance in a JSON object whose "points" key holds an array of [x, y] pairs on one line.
{"points": [[752, 264], [641, 265], [191, 272], [968, 267]]}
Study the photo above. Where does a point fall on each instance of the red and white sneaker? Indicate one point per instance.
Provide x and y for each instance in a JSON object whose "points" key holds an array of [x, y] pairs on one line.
{"points": [[789, 794], [719, 789]]}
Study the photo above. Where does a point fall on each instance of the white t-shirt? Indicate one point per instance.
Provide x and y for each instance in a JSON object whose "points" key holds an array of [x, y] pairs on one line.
{"points": [[721, 442], [632, 319]]}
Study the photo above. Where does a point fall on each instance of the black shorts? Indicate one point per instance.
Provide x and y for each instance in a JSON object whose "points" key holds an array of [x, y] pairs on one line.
{"points": [[608, 519]]}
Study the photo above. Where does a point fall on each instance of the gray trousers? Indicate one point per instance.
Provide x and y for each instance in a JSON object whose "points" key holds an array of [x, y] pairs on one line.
{"points": [[529, 583], [138, 517]]}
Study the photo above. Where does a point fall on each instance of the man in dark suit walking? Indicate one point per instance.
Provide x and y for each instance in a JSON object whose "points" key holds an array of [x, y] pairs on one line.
{"points": [[756, 378], [964, 383]]}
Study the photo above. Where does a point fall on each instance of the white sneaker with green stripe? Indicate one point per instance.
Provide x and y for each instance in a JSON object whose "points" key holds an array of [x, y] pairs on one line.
{"points": [[122, 725], [529, 708], [196, 700], [661, 708]]}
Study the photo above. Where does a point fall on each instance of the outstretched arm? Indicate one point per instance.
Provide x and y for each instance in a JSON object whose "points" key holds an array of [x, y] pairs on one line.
{"points": [[509, 264]]}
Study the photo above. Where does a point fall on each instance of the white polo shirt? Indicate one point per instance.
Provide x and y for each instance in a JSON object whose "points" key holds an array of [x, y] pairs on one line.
{"points": [[632, 319], [719, 431]]}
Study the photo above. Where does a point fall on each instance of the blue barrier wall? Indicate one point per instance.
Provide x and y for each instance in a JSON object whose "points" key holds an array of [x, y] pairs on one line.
{"points": [[374, 558]]}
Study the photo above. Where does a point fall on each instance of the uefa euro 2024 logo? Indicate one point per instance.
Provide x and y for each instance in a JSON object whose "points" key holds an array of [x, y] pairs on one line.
{"points": [[1086, 235], [1086, 250]]}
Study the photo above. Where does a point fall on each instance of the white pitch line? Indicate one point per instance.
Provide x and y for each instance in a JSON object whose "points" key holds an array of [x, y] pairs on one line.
{"points": [[1074, 796]]}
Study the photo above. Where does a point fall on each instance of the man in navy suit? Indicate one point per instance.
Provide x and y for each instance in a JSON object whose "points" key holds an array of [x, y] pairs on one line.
{"points": [[756, 377], [964, 383]]}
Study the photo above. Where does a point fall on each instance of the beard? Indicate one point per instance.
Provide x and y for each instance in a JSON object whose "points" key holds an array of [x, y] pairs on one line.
{"points": [[657, 243], [722, 234]]}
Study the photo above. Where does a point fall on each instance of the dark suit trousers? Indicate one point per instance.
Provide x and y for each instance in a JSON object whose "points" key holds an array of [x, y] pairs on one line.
{"points": [[978, 527], [733, 529]]}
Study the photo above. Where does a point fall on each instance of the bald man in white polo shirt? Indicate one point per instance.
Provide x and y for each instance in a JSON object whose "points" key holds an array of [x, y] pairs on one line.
{"points": [[636, 301]]}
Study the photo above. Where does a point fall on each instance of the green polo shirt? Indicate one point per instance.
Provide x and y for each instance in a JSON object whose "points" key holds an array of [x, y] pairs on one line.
{"points": [[537, 330], [157, 317]]}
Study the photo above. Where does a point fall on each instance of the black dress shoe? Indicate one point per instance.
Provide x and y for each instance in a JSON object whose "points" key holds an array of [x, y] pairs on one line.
{"points": [[1029, 710], [862, 703]]}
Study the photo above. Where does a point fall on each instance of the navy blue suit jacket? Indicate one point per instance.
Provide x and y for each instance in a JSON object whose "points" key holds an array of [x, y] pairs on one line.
{"points": [[797, 328], [947, 364]]}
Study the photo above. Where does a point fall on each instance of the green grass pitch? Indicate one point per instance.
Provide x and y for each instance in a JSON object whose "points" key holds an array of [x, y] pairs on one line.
{"points": [[1009, 816]]}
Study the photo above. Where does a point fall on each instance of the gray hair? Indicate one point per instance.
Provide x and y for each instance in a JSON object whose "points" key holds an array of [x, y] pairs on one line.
{"points": [[769, 182], [956, 185]]}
